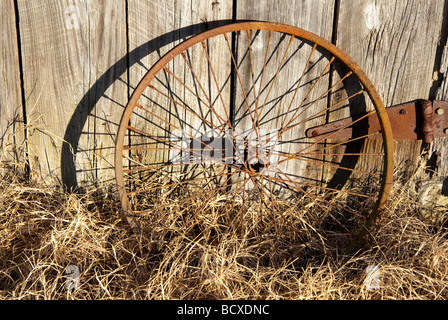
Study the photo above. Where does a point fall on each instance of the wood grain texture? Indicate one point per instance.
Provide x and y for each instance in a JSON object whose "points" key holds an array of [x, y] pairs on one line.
{"points": [[155, 27], [395, 43], [314, 16], [433, 190], [440, 146], [276, 83], [11, 118], [67, 45]]}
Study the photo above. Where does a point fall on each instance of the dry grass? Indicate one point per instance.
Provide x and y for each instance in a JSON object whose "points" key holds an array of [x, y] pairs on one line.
{"points": [[200, 252]]}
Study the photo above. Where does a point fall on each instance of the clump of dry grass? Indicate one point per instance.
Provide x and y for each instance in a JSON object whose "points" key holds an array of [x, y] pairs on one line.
{"points": [[202, 252]]}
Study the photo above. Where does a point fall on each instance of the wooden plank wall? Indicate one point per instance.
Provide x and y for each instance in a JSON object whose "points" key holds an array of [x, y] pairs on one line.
{"points": [[440, 146], [166, 29], [394, 43], [317, 17], [82, 59], [66, 47], [12, 146]]}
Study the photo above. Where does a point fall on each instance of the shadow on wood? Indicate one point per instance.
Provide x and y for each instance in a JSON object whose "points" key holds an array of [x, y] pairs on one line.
{"points": [[82, 112]]}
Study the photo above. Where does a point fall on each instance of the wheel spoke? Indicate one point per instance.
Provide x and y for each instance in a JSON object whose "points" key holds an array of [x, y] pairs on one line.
{"points": [[252, 73], [239, 79], [224, 106], [264, 64], [208, 105], [283, 129], [228, 122], [318, 99], [322, 163], [262, 159], [312, 196], [311, 90], [305, 70], [176, 184], [276, 76]]}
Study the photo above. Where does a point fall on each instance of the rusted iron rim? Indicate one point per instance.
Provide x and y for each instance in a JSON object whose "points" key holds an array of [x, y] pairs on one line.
{"points": [[386, 131]]}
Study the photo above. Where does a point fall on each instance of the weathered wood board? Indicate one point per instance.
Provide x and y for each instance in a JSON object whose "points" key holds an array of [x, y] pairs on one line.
{"points": [[276, 81], [12, 145], [76, 56], [66, 47], [433, 190], [440, 146], [182, 92], [395, 44]]}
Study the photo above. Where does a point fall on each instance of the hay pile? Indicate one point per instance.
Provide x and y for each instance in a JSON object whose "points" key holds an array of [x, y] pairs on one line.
{"points": [[199, 252]]}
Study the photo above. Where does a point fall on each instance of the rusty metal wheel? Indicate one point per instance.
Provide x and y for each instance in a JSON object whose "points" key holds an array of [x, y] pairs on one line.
{"points": [[232, 113]]}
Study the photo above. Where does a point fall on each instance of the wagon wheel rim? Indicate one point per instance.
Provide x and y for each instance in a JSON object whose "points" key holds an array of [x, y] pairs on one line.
{"points": [[239, 171]]}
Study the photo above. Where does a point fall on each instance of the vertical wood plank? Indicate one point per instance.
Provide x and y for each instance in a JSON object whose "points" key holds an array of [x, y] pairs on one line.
{"points": [[11, 118], [67, 45], [395, 43], [287, 61], [440, 146], [155, 27], [433, 190], [107, 46], [314, 16]]}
